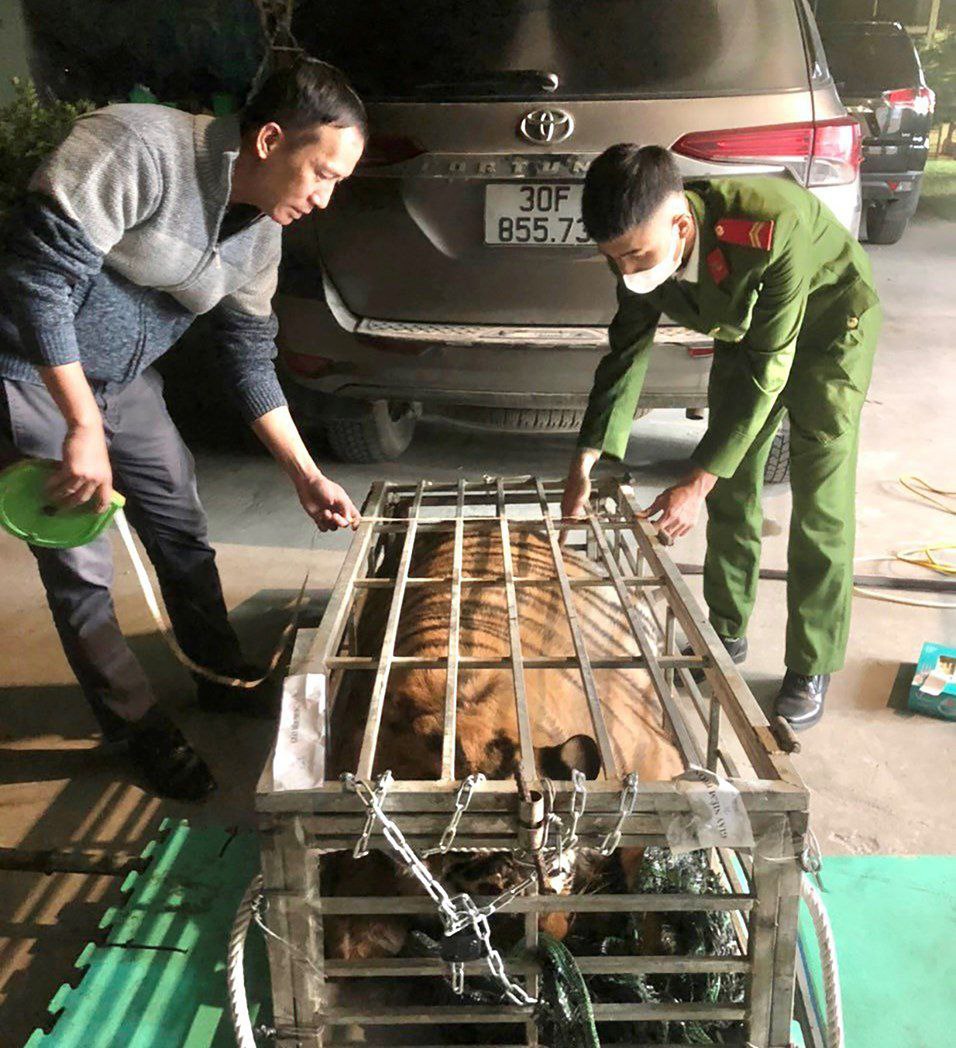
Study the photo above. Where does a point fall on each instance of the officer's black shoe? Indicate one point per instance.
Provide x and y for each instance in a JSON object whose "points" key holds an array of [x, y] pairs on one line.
{"points": [[214, 697], [800, 700], [736, 649], [171, 767]]}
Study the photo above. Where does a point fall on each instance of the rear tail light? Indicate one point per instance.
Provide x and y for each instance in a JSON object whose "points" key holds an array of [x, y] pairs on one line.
{"points": [[836, 152], [816, 154], [383, 150], [922, 100], [305, 365]]}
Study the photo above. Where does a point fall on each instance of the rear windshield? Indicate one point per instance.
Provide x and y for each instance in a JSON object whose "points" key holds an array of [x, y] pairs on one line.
{"points": [[869, 63], [476, 49]]}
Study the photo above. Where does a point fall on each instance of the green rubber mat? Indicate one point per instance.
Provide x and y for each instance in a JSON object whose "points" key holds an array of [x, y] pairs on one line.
{"points": [[159, 979], [894, 922]]}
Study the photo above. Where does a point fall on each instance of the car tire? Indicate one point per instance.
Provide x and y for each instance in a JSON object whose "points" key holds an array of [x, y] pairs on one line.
{"points": [[518, 420], [777, 467], [884, 225], [381, 433]]}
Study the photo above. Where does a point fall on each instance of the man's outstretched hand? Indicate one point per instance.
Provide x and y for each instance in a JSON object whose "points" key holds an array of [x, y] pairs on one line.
{"points": [[327, 503]]}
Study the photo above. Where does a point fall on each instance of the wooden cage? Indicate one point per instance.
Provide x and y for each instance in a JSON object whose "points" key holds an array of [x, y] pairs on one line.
{"points": [[718, 726]]}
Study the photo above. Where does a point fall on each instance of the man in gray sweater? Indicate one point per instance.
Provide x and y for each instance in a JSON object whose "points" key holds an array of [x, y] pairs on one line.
{"points": [[142, 219]]}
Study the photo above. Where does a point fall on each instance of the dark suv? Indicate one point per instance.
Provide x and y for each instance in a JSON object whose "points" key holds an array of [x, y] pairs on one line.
{"points": [[451, 276], [878, 74]]}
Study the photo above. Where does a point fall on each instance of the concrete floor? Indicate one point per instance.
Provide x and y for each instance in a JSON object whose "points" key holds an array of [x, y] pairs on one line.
{"points": [[881, 778]]}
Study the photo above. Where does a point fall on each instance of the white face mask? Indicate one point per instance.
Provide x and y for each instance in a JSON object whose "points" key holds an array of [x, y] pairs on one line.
{"points": [[648, 279]]}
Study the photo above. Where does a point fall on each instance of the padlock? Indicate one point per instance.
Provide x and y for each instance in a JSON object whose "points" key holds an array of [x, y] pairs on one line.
{"points": [[462, 946]]}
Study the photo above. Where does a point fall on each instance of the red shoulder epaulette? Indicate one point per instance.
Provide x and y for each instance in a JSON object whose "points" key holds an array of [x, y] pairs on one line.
{"points": [[745, 232]]}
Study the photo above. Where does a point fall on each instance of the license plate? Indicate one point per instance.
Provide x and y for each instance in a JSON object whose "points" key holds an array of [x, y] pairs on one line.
{"points": [[534, 215]]}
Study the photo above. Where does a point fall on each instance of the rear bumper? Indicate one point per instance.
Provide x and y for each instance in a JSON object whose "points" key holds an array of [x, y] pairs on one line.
{"points": [[845, 203], [481, 365], [892, 186]]}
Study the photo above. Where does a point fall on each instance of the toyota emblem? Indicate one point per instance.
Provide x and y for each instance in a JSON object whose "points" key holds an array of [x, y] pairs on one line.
{"points": [[547, 126]]}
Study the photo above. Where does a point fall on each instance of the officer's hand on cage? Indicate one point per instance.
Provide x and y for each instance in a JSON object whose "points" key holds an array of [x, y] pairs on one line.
{"points": [[327, 503], [577, 487], [679, 506]]}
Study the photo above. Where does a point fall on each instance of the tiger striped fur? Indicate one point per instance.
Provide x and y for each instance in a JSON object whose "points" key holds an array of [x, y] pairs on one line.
{"points": [[410, 739]]}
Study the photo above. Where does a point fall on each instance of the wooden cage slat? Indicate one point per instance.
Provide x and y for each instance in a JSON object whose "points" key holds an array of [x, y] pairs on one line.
{"points": [[432, 795], [710, 724], [404, 967], [601, 736], [514, 639], [521, 581], [377, 702], [741, 707], [646, 902], [474, 662], [450, 1014], [685, 741], [454, 642]]}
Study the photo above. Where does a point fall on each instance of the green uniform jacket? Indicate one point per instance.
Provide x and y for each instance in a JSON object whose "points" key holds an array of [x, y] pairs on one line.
{"points": [[783, 304]]}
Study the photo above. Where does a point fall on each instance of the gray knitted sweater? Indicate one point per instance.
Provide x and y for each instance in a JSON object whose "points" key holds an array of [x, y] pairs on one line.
{"points": [[119, 250]]}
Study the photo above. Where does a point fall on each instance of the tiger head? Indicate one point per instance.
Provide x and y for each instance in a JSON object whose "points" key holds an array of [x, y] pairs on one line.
{"points": [[494, 873]]}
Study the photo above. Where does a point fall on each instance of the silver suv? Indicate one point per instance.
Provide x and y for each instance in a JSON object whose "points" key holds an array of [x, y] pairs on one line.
{"points": [[451, 275]]}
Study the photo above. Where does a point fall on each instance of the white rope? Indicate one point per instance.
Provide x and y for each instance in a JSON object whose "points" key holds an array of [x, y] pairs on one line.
{"points": [[828, 962], [235, 975], [152, 602]]}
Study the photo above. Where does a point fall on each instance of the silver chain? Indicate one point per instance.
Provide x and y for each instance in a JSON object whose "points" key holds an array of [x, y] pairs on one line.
{"points": [[462, 800], [628, 800], [579, 800], [396, 840], [458, 912], [381, 788], [455, 913]]}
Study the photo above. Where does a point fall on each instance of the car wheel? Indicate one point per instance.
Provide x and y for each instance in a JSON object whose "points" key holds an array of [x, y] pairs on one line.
{"points": [[884, 225], [381, 433], [777, 468], [513, 420], [518, 420]]}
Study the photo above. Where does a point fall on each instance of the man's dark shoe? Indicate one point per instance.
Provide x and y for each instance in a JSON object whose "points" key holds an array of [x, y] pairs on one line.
{"points": [[800, 700], [171, 767], [736, 649], [214, 697]]}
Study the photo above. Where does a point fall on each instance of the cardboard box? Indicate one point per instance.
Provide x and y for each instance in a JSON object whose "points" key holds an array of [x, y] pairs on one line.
{"points": [[934, 684]]}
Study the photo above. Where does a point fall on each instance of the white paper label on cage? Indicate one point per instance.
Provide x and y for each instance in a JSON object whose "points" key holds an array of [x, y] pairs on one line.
{"points": [[717, 818], [299, 762]]}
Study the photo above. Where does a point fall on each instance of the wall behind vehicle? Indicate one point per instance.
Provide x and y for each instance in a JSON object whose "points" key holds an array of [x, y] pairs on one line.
{"points": [[14, 46], [916, 15], [184, 51]]}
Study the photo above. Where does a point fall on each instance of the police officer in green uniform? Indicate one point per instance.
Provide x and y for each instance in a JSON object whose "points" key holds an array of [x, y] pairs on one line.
{"points": [[761, 266]]}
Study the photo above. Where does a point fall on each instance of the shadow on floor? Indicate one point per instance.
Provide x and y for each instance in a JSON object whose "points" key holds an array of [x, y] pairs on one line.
{"points": [[89, 799]]}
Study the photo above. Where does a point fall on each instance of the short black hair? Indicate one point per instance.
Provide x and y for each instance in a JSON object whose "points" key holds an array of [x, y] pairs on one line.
{"points": [[305, 94], [624, 186]]}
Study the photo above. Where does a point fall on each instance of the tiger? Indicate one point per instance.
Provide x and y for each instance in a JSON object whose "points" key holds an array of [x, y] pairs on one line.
{"points": [[487, 738]]}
